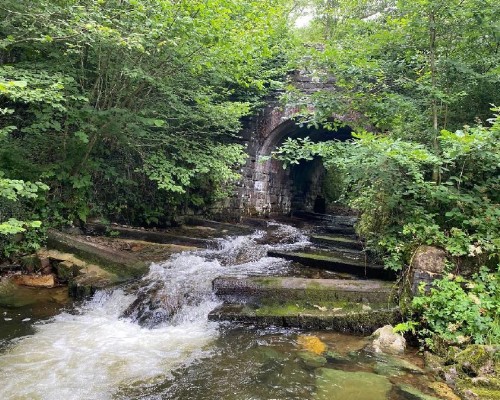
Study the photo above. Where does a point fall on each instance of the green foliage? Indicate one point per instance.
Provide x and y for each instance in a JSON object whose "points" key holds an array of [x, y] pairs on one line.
{"points": [[15, 217], [390, 181], [459, 310], [407, 326], [416, 74], [408, 67], [131, 110]]}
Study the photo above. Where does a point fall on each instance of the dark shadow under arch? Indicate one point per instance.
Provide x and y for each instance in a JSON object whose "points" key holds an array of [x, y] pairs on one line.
{"points": [[299, 187]]}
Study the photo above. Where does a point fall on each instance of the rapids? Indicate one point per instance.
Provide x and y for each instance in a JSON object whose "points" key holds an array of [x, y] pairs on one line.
{"points": [[127, 337]]}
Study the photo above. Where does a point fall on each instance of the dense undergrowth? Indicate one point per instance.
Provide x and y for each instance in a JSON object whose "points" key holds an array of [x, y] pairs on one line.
{"points": [[423, 167]]}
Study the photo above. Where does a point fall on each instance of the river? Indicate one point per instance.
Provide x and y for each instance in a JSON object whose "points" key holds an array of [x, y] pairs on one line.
{"points": [[152, 339]]}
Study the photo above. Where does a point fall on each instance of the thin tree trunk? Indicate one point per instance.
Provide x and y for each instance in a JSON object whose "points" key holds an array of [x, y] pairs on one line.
{"points": [[432, 60]]}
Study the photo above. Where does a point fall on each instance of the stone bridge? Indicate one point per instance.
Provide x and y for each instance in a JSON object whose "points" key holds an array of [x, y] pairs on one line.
{"points": [[266, 188]]}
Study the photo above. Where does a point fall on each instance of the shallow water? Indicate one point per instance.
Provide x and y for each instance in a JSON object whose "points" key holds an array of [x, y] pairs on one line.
{"points": [[165, 347]]}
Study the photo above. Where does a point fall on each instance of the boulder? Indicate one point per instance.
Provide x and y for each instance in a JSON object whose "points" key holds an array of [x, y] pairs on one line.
{"points": [[384, 340]]}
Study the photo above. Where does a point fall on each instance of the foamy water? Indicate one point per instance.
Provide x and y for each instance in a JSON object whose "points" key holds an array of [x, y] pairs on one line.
{"points": [[88, 356], [94, 353]]}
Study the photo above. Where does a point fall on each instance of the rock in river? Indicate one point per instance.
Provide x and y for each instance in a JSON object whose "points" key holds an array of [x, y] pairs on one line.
{"points": [[386, 341]]}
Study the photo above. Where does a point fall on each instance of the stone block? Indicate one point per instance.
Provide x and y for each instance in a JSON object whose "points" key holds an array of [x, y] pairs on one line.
{"points": [[428, 264]]}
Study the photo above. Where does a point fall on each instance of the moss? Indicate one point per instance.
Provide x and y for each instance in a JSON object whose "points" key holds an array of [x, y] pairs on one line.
{"points": [[472, 359], [311, 359], [305, 307], [268, 281], [316, 286], [443, 390], [485, 393]]}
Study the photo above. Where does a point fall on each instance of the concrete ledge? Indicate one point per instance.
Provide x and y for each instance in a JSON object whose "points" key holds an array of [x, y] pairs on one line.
{"points": [[287, 288], [337, 241], [336, 262], [145, 235], [355, 322], [123, 265]]}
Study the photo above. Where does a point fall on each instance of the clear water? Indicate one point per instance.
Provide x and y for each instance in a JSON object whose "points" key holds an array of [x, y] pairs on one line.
{"points": [[154, 341]]}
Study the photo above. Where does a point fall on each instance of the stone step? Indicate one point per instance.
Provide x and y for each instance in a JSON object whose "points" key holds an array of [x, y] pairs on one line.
{"points": [[256, 289], [124, 266], [341, 220], [337, 241], [348, 231], [145, 235], [222, 228], [337, 262], [354, 317]]}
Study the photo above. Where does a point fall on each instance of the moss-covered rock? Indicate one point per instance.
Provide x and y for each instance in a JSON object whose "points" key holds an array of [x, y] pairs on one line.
{"points": [[474, 371], [443, 391], [478, 360], [311, 360], [334, 357], [481, 394], [392, 366], [408, 392], [66, 271]]}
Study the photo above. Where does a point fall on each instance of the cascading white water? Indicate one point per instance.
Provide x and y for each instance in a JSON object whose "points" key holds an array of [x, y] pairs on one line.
{"points": [[96, 352]]}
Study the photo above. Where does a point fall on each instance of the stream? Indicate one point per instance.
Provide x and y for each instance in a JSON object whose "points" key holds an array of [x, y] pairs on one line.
{"points": [[152, 339]]}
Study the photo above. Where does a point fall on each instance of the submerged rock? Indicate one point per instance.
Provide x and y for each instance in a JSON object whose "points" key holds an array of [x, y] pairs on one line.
{"points": [[386, 341], [334, 357], [312, 360], [333, 384], [408, 392], [153, 306], [391, 366], [40, 281]]}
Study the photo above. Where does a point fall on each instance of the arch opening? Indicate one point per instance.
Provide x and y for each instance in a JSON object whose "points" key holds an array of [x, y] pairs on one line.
{"points": [[304, 186]]}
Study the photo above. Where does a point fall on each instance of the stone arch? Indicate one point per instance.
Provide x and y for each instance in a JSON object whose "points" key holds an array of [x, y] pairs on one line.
{"points": [[268, 188]]}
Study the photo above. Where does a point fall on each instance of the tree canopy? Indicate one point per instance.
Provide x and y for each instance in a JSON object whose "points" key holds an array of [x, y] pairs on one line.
{"points": [[129, 109]]}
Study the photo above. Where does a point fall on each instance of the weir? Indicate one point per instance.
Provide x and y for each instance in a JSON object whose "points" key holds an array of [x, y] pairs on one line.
{"points": [[164, 336]]}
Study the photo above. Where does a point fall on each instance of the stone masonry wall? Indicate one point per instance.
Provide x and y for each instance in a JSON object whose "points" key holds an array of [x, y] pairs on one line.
{"points": [[265, 187]]}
